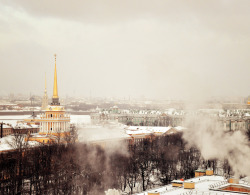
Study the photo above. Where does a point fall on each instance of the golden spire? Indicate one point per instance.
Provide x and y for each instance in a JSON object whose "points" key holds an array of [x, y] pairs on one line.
{"points": [[55, 92]]}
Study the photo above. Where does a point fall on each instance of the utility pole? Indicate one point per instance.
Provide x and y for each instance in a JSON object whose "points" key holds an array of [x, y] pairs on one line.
{"points": [[1, 129]]}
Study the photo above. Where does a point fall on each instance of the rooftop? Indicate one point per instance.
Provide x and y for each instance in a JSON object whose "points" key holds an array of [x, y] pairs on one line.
{"points": [[203, 185]]}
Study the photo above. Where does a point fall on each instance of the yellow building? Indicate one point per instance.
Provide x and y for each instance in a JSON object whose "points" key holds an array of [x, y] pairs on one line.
{"points": [[54, 122], [189, 185], [199, 173], [177, 183]]}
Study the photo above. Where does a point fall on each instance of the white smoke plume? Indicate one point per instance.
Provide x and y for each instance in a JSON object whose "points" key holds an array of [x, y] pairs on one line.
{"points": [[110, 138], [112, 192], [214, 143]]}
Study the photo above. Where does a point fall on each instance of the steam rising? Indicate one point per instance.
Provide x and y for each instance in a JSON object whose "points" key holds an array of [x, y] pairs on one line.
{"points": [[214, 143], [111, 138]]}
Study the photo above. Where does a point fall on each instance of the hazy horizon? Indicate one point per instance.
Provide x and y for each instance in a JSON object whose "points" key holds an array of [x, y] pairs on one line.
{"points": [[164, 49]]}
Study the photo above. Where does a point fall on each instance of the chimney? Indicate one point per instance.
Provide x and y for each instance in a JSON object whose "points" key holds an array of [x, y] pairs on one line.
{"points": [[209, 172], [189, 185], [233, 180]]}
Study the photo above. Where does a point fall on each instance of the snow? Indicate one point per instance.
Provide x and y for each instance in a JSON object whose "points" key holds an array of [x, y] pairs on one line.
{"points": [[6, 126], [25, 126], [180, 128], [135, 130], [202, 186], [4, 143]]}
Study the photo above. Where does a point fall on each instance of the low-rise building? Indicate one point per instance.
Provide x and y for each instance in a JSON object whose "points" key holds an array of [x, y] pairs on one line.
{"points": [[6, 129]]}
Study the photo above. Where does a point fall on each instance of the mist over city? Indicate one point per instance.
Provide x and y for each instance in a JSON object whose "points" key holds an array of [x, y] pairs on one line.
{"points": [[125, 97]]}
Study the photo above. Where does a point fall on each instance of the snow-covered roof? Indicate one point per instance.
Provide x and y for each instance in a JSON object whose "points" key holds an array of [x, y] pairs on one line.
{"points": [[5, 126], [202, 186], [25, 126], [5, 143]]}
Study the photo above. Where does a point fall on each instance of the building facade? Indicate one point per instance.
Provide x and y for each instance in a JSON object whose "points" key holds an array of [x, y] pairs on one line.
{"points": [[54, 121]]}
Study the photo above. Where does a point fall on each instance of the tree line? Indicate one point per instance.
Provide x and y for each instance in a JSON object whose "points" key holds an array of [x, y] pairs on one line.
{"points": [[79, 168]]}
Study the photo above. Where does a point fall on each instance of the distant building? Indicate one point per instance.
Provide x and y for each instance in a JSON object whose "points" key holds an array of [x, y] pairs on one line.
{"points": [[235, 123], [21, 128], [5, 129], [24, 128], [136, 117]]}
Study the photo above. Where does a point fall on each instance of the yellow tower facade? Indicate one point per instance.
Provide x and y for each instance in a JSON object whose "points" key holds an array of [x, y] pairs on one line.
{"points": [[55, 121]]}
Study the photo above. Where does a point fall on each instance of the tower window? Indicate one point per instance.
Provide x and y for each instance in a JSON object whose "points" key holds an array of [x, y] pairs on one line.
{"points": [[51, 115]]}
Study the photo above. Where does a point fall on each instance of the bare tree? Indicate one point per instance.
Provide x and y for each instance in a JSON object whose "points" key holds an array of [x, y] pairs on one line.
{"points": [[19, 141]]}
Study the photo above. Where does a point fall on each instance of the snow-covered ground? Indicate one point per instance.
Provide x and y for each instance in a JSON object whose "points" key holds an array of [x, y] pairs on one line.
{"points": [[5, 143]]}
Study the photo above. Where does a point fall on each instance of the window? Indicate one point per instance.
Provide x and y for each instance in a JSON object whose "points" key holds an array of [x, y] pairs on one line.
{"points": [[51, 115]]}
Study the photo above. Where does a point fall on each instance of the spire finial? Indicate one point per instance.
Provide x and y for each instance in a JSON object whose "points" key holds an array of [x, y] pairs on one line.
{"points": [[55, 92]]}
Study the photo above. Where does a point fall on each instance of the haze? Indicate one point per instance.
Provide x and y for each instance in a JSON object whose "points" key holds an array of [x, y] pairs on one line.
{"points": [[158, 49]]}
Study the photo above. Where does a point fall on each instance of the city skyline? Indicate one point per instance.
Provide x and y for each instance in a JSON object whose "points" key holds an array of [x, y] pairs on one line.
{"points": [[184, 50]]}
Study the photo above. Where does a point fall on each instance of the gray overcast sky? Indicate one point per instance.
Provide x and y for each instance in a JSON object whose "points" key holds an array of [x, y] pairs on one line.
{"points": [[183, 49]]}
